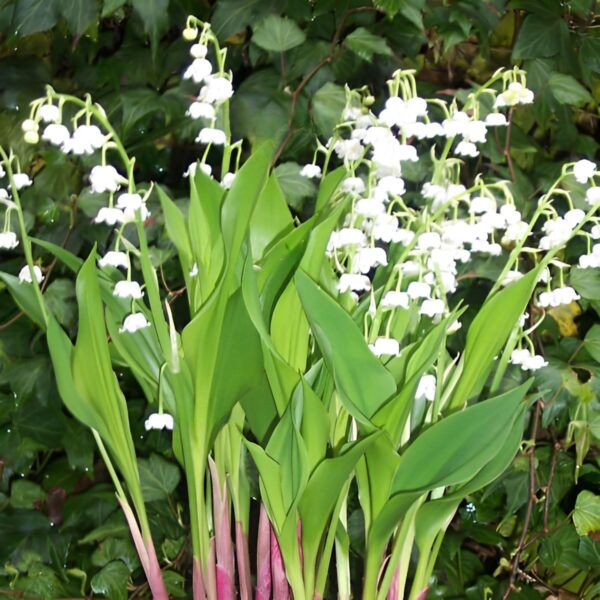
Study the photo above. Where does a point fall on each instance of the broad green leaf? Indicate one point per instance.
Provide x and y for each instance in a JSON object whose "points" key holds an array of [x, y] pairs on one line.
{"points": [[375, 475], [488, 334], [315, 425], [240, 202], [31, 16], [281, 376], [158, 477], [204, 226], [271, 218], [25, 298], [392, 416], [434, 516], [365, 389], [287, 447], [289, 329], [112, 580], [94, 379], [454, 449], [327, 104], [69, 259], [270, 484], [540, 37], [239, 367], [365, 44], [61, 353], [586, 516], [176, 227], [328, 187], [79, 14], [323, 490], [277, 34], [567, 90]]}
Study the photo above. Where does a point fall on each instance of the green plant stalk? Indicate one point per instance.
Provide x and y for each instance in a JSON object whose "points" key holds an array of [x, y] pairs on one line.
{"points": [[142, 540], [425, 566], [401, 552], [240, 497], [342, 552], [24, 237]]}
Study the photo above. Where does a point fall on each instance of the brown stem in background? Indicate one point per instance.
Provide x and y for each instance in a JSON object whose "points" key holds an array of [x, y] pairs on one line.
{"points": [[325, 60], [532, 499], [555, 451]]}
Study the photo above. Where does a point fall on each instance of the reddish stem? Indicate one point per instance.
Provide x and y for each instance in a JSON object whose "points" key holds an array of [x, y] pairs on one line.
{"points": [[281, 590], [263, 557], [243, 562], [147, 555]]}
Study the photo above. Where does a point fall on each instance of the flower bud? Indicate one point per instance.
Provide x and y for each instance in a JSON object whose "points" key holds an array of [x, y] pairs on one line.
{"points": [[31, 137], [29, 125], [190, 34]]}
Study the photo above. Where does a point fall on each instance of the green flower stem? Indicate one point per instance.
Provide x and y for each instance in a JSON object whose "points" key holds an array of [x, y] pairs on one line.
{"points": [[24, 237], [342, 555]]}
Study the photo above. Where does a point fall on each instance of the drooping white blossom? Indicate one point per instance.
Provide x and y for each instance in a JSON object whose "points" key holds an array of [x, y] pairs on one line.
{"points": [[25, 274], [115, 259], [134, 322], [105, 178], [159, 421], [8, 240]]}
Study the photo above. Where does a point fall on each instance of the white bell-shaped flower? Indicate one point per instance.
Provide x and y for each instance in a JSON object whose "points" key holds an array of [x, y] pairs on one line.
{"points": [[25, 274], [134, 322], [128, 289], [105, 178], [115, 259], [8, 240]]}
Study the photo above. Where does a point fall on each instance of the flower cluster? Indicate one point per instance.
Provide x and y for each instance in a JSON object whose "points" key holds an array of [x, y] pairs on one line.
{"points": [[211, 104], [91, 134], [424, 239]]}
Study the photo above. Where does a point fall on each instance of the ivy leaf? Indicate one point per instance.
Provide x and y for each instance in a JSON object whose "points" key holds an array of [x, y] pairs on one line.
{"points": [[158, 476], [294, 186], [31, 16], [586, 516], [540, 37], [567, 90], [232, 16], [278, 34], [365, 44], [328, 103], [586, 282], [111, 6], [391, 7], [112, 580], [23, 494], [79, 14], [154, 15]]}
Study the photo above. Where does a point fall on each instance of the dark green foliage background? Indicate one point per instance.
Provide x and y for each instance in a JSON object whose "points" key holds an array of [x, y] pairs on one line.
{"points": [[61, 533]]}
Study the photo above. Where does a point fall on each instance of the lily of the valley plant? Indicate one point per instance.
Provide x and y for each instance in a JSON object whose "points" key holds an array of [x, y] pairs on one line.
{"points": [[326, 352]]}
